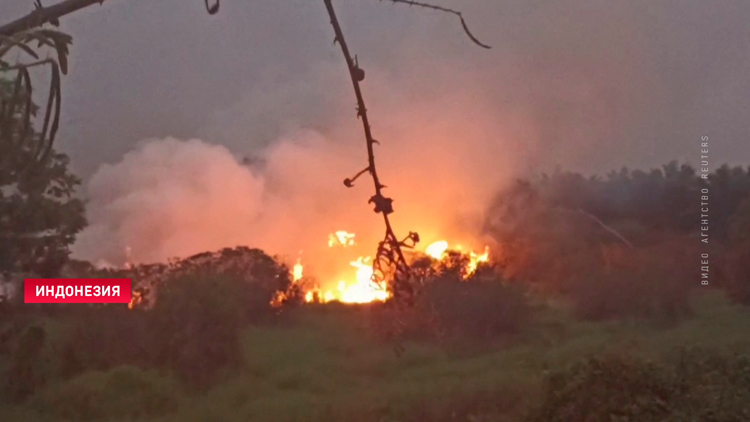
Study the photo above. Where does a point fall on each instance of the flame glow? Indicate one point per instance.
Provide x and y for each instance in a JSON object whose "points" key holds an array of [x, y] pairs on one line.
{"points": [[297, 270], [362, 288], [475, 259], [437, 249], [341, 238]]}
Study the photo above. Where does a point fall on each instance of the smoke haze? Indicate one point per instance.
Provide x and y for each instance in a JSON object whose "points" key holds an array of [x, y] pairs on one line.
{"points": [[585, 85]]}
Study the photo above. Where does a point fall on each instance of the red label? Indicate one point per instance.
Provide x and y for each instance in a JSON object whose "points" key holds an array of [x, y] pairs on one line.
{"points": [[76, 290]]}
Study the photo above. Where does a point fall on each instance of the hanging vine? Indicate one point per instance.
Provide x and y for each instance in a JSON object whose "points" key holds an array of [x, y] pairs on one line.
{"points": [[16, 107], [389, 259]]}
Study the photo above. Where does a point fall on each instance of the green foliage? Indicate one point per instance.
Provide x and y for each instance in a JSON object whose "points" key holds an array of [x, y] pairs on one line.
{"points": [[122, 392], [740, 224], [481, 307], [449, 307], [660, 201], [196, 325], [110, 336], [191, 326], [701, 386], [23, 375], [644, 286], [261, 276], [738, 255], [322, 364], [39, 217]]}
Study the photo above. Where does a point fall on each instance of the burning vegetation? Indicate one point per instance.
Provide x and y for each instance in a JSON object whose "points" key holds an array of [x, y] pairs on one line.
{"points": [[361, 286]]}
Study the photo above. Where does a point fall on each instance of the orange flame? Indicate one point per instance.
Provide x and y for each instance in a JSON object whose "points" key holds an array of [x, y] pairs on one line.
{"points": [[475, 259], [340, 238], [297, 270], [437, 249], [361, 288]]}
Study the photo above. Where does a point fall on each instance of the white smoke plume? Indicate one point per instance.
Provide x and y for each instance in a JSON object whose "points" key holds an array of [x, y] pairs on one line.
{"points": [[441, 156]]}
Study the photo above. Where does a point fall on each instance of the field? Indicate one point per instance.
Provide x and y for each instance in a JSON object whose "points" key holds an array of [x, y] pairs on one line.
{"points": [[321, 363]]}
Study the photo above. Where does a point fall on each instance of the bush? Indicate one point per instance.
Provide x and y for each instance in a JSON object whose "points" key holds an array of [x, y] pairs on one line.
{"points": [[738, 255], [481, 307], [478, 307], [123, 392], [643, 284], [738, 287], [103, 337], [24, 373], [700, 386], [195, 326]]}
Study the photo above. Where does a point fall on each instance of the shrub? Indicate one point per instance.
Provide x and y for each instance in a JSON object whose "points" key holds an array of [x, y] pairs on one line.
{"points": [[739, 255], [481, 307], [478, 307], [24, 375], [103, 337], [700, 386], [643, 284], [738, 287], [122, 392], [261, 275], [195, 327]]}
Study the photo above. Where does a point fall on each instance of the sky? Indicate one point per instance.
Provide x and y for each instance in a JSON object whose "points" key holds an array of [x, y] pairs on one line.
{"points": [[585, 85], [605, 83]]}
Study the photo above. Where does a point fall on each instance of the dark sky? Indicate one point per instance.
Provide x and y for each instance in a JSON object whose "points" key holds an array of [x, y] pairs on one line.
{"points": [[592, 85]]}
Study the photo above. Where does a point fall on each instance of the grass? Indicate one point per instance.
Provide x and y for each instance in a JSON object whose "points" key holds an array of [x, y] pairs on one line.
{"points": [[322, 364]]}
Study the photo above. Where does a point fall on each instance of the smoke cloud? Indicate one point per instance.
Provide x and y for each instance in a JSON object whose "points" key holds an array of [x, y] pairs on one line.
{"points": [[441, 156], [576, 84]]}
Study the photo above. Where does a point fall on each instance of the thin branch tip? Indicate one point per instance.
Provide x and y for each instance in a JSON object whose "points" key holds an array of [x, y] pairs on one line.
{"points": [[465, 26]]}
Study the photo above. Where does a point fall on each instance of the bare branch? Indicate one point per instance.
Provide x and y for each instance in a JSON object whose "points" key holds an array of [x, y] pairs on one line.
{"points": [[446, 10], [43, 15], [389, 254]]}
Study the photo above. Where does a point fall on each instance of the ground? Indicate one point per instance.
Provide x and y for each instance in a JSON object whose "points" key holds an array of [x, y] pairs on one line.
{"points": [[323, 364]]}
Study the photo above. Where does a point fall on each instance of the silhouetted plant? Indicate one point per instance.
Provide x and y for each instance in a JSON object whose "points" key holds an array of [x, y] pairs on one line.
{"points": [[195, 327], [697, 386], [122, 392]]}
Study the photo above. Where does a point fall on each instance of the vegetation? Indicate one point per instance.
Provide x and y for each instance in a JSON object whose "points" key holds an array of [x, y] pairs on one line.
{"points": [[591, 314], [596, 326], [39, 216], [320, 363]]}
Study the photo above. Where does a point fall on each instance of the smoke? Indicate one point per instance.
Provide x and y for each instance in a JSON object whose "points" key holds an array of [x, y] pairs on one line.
{"points": [[572, 84], [441, 157]]}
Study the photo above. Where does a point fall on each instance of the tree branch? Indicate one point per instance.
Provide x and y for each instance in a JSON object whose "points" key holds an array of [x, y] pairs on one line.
{"points": [[44, 15], [389, 250], [446, 10], [53, 13]]}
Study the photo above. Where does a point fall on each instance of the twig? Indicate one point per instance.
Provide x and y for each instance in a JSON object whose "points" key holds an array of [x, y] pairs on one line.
{"points": [[26, 65], [44, 15], [52, 14], [389, 250], [446, 10]]}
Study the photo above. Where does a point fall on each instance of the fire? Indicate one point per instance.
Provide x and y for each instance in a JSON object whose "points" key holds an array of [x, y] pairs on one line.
{"points": [[475, 259], [365, 290], [297, 270], [437, 249], [362, 288], [341, 238]]}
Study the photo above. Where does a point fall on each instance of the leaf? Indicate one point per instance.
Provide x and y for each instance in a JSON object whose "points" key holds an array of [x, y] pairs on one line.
{"points": [[14, 43]]}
